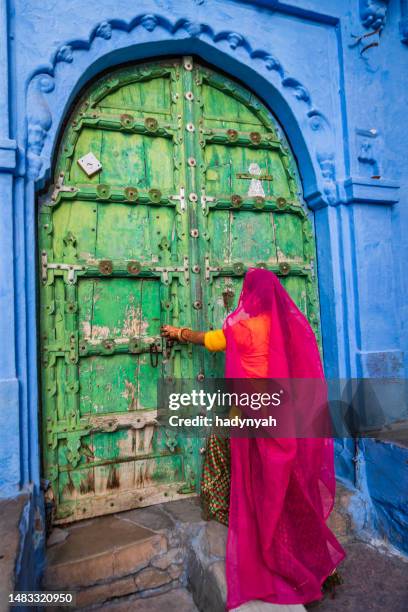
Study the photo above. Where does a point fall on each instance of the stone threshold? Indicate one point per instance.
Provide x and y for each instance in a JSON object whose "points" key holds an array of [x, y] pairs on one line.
{"points": [[161, 557]]}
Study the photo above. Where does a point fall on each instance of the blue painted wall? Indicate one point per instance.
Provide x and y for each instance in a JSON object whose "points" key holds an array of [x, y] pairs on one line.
{"points": [[343, 107]]}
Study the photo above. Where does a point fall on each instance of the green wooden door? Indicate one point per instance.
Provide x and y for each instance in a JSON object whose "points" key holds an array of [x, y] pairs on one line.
{"points": [[170, 181]]}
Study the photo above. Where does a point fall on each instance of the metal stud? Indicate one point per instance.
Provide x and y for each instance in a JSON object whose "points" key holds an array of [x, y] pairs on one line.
{"points": [[155, 195], [255, 137], [189, 95], [284, 268], [193, 197], [191, 162], [238, 268], [105, 267], [131, 194], [236, 200], [127, 121], [259, 202], [190, 127], [134, 267], [196, 269], [188, 65], [108, 345], [194, 233], [151, 124], [232, 135], [103, 191]]}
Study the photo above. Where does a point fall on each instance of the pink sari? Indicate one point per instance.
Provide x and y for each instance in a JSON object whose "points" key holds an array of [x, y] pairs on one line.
{"points": [[279, 547]]}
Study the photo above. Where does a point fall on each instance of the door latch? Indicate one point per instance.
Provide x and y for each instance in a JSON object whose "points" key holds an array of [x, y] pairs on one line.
{"points": [[154, 355]]}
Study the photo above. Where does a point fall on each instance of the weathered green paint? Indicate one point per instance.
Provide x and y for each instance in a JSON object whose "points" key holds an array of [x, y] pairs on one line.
{"points": [[124, 251]]}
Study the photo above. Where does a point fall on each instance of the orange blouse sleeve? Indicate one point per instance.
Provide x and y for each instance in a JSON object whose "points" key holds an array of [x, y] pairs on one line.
{"points": [[214, 340]]}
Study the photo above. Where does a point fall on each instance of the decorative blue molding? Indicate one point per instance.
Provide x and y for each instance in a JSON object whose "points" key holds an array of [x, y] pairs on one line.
{"points": [[360, 190], [39, 120], [404, 21], [373, 13], [42, 82], [368, 156], [8, 157]]}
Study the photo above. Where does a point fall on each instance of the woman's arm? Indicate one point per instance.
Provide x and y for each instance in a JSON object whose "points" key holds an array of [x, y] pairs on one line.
{"points": [[182, 334], [213, 340]]}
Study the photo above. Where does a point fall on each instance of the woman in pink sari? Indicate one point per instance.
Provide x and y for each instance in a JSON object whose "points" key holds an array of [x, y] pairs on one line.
{"points": [[279, 548]]}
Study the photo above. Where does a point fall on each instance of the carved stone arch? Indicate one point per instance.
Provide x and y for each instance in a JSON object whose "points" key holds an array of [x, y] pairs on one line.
{"points": [[52, 89]]}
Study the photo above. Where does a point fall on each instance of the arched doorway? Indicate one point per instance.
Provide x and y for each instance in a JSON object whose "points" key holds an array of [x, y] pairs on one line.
{"points": [[170, 181]]}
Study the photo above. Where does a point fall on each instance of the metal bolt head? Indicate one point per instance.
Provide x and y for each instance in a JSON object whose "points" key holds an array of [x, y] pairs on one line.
{"points": [[190, 127], [103, 191], [259, 202], [155, 195], [189, 95], [236, 200], [127, 121], [255, 137], [191, 162], [232, 135], [238, 268], [105, 267], [134, 267], [151, 124], [284, 268], [131, 194], [193, 197]]}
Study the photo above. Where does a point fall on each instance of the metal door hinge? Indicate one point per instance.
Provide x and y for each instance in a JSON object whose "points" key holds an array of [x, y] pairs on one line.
{"points": [[181, 197], [71, 269], [210, 269], [59, 187], [166, 270], [204, 199]]}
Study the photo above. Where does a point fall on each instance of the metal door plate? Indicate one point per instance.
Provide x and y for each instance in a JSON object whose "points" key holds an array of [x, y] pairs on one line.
{"points": [[90, 164]]}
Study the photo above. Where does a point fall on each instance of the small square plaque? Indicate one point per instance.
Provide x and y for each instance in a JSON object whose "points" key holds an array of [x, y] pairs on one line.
{"points": [[90, 164]]}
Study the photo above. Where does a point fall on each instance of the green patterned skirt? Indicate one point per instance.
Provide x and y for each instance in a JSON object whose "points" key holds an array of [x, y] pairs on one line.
{"points": [[215, 482]]}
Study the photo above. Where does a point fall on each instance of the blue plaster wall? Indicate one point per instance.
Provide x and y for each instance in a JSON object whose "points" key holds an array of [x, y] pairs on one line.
{"points": [[344, 112]]}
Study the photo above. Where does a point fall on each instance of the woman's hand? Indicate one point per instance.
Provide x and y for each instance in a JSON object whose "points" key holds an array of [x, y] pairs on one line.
{"points": [[182, 334], [170, 332]]}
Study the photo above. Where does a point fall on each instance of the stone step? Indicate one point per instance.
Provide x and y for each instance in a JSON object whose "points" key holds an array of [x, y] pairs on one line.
{"points": [[137, 553], [106, 557], [177, 599], [146, 556], [206, 574]]}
